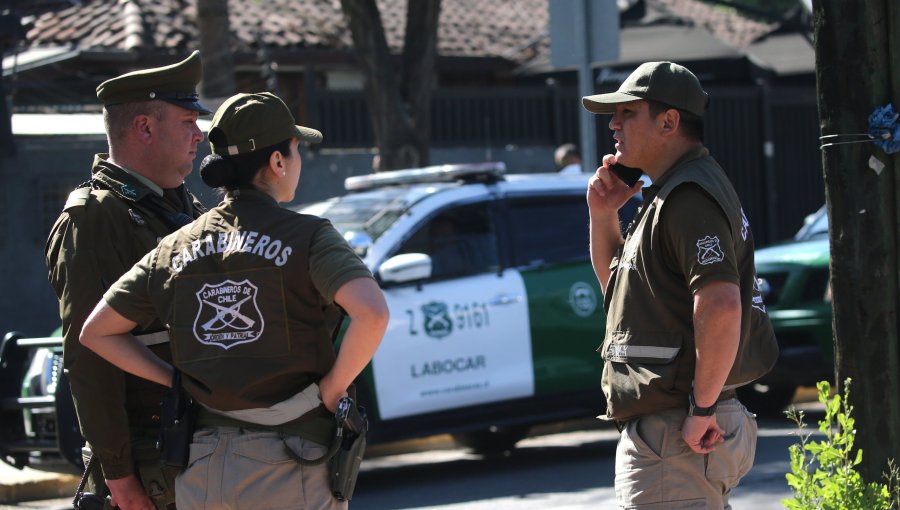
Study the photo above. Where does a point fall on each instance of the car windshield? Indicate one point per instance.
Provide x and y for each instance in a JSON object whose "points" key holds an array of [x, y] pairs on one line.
{"points": [[816, 225], [371, 213]]}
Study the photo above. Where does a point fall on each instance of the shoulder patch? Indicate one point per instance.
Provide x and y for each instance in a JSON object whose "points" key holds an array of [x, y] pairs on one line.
{"points": [[77, 198]]}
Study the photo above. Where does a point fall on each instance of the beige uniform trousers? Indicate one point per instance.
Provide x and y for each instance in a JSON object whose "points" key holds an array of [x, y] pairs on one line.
{"points": [[233, 468], [656, 470]]}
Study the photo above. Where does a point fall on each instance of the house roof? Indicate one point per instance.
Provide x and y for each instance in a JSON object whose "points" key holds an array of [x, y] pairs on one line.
{"points": [[72, 45], [728, 25], [506, 30], [515, 30]]}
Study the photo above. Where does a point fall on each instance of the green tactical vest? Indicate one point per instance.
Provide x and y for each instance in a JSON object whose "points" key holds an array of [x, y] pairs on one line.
{"points": [[649, 349], [248, 327]]}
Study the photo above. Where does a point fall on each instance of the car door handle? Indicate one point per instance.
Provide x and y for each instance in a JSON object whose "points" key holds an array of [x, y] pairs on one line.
{"points": [[505, 299]]}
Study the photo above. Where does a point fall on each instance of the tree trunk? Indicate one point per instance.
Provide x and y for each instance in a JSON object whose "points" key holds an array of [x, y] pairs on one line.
{"points": [[857, 49], [399, 96], [215, 34]]}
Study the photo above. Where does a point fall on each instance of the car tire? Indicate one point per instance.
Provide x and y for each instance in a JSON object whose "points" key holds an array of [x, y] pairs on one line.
{"points": [[492, 441], [766, 401]]}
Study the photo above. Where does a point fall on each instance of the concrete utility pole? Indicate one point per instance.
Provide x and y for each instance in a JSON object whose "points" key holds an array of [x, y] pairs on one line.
{"points": [[582, 33], [858, 69]]}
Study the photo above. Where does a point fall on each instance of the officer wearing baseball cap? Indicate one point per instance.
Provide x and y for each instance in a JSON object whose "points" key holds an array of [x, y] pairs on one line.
{"points": [[686, 324], [247, 122], [135, 196], [250, 290], [665, 82]]}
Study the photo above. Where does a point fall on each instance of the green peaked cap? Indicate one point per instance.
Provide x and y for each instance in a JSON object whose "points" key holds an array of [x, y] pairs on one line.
{"points": [[176, 84]]}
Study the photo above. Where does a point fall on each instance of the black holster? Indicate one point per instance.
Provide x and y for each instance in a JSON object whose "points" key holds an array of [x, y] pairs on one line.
{"points": [[344, 465], [177, 419], [345, 454]]}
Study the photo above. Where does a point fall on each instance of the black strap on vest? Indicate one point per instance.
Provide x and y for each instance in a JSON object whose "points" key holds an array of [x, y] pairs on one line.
{"points": [[172, 220]]}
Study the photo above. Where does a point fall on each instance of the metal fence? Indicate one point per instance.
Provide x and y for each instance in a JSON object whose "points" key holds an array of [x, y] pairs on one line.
{"points": [[766, 140]]}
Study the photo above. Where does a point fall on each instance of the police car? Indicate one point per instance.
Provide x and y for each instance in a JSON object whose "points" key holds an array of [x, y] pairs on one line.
{"points": [[496, 314], [495, 309]]}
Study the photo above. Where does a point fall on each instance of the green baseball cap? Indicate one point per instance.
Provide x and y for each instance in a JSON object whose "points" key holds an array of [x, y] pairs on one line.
{"points": [[247, 122], [176, 84], [666, 82]]}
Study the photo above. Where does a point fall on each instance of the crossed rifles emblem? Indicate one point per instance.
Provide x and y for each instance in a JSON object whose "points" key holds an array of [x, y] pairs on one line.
{"points": [[227, 315], [709, 250]]}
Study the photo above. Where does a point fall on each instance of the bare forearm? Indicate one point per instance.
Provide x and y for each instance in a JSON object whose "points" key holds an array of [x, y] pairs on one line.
{"points": [[359, 345], [606, 238], [365, 304], [106, 332], [717, 324]]}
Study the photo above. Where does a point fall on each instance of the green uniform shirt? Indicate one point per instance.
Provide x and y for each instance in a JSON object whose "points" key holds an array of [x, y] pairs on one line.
{"points": [[690, 231], [245, 291], [100, 234]]}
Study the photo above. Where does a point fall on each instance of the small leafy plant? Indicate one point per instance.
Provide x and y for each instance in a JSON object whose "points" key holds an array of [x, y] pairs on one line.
{"points": [[823, 473]]}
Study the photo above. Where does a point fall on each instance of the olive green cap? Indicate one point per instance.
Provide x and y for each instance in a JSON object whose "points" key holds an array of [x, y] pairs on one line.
{"points": [[176, 84], [665, 82], [248, 122]]}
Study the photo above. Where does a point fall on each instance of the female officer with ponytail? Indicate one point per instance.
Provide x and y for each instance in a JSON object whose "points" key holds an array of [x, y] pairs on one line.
{"points": [[247, 291]]}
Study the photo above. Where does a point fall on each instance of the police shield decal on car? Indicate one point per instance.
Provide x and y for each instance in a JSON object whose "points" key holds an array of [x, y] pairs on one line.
{"points": [[228, 314], [437, 320], [582, 299]]}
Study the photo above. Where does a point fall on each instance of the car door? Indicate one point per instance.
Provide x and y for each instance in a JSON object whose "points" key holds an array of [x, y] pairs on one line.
{"points": [[459, 338], [548, 239]]}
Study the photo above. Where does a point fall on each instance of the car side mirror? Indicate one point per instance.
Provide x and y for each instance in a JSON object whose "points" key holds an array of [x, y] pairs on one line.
{"points": [[405, 267], [358, 241]]}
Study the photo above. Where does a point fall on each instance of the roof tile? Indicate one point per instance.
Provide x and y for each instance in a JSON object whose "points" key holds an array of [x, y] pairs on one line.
{"points": [[513, 29]]}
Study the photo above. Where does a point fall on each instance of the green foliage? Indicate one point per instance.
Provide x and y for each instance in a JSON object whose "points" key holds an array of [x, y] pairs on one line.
{"points": [[823, 473]]}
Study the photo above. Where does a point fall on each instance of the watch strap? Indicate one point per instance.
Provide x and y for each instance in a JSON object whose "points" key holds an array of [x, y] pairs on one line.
{"points": [[694, 410]]}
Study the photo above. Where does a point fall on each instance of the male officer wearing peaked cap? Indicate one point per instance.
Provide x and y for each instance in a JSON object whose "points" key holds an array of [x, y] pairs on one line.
{"points": [[686, 324], [135, 196]]}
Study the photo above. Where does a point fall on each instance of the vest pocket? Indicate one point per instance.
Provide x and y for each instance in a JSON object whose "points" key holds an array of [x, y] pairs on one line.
{"points": [[643, 372]]}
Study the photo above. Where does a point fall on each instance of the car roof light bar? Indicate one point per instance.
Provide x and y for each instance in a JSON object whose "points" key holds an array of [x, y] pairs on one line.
{"points": [[489, 171]]}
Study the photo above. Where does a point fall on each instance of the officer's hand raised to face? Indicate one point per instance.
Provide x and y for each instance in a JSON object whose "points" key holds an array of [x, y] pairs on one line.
{"points": [[606, 192]]}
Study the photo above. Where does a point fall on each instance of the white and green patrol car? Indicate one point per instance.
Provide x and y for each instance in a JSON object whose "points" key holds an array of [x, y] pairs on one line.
{"points": [[495, 310], [495, 314]]}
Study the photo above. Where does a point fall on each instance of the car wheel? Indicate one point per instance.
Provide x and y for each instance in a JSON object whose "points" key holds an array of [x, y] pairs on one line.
{"points": [[492, 441], [767, 401]]}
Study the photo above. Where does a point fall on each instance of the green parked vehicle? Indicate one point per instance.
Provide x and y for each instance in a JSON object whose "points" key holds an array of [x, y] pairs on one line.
{"points": [[794, 280]]}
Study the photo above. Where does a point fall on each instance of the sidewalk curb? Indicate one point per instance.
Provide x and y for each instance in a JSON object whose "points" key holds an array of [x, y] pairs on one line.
{"points": [[29, 485]]}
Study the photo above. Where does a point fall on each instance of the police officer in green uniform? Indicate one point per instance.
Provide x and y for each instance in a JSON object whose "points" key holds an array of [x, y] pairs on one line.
{"points": [[246, 290], [686, 324], [136, 196]]}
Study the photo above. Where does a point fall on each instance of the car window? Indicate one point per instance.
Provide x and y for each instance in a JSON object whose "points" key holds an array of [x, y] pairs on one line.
{"points": [[461, 241], [372, 213], [548, 229], [815, 226]]}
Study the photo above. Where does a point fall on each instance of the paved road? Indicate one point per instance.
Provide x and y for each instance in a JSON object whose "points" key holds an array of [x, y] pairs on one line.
{"points": [[560, 470]]}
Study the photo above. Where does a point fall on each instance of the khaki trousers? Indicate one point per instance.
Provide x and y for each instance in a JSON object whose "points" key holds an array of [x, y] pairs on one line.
{"points": [[233, 468], [656, 470]]}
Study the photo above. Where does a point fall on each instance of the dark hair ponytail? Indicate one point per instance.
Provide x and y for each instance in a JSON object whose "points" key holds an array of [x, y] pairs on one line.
{"points": [[238, 171]]}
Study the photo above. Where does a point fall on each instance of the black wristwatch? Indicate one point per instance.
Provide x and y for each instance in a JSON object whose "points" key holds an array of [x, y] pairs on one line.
{"points": [[693, 410]]}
